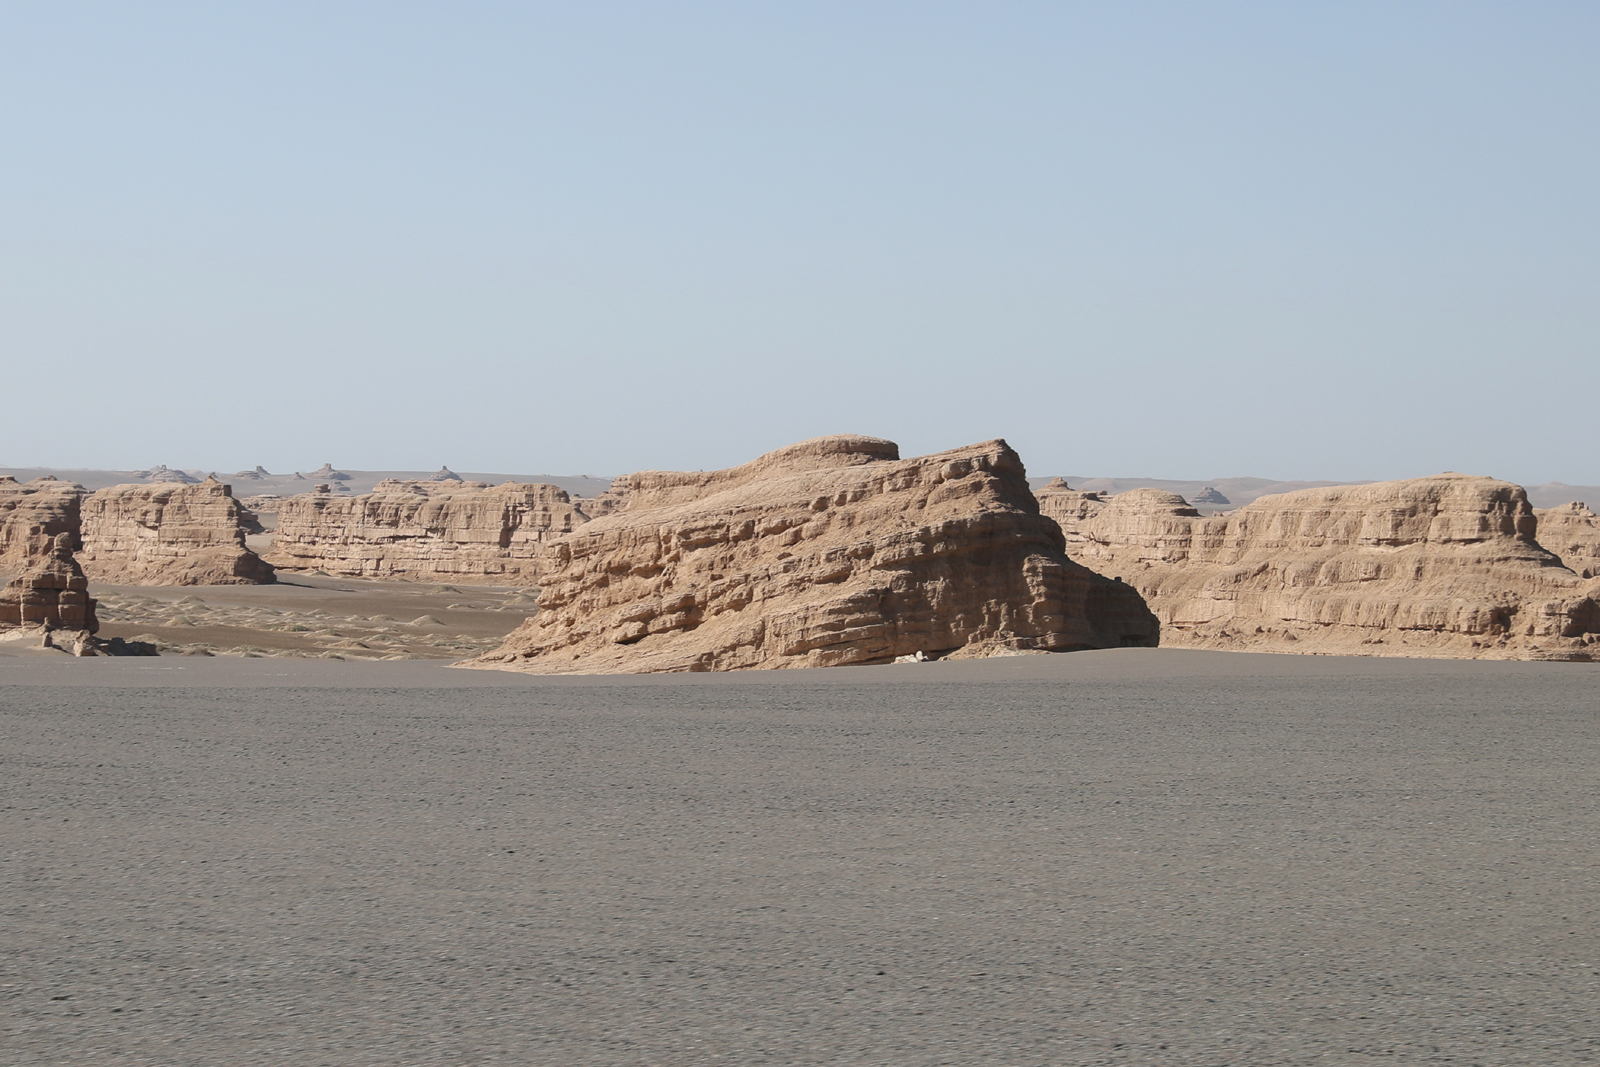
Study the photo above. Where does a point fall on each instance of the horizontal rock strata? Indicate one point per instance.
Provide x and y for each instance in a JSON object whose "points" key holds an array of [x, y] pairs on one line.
{"points": [[833, 551], [168, 534], [444, 530], [32, 515], [1441, 566]]}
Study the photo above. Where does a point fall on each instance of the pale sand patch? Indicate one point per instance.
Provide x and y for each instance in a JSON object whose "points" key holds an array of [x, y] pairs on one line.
{"points": [[313, 615]]}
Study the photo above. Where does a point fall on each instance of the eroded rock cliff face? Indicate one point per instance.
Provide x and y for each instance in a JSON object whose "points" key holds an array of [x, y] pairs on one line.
{"points": [[833, 551], [51, 594], [444, 530], [167, 534], [1573, 533], [1441, 566], [32, 515]]}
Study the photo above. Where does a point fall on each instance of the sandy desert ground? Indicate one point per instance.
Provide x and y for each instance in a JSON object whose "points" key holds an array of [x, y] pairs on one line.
{"points": [[315, 615], [1131, 857]]}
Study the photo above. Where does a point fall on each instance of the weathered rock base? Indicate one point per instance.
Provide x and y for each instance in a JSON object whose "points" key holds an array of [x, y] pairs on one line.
{"points": [[76, 642]]}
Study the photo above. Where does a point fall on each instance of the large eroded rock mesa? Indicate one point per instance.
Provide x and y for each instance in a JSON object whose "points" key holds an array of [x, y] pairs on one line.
{"points": [[833, 551], [168, 533], [428, 530], [52, 594], [32, 515], [1441, 566]]}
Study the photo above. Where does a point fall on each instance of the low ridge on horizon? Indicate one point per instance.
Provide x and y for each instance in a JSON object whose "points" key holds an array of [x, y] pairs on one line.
{"points": [[1234, 491]]}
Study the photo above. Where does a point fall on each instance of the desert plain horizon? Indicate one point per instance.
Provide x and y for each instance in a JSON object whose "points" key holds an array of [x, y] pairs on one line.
{"points": [[1237, 489]]}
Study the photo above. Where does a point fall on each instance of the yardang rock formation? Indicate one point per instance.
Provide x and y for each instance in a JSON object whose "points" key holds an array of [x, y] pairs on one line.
{"points": [[52, 594], [833, 551], [1573, 533], [439, 530], [168, 534], [1442, 566]]}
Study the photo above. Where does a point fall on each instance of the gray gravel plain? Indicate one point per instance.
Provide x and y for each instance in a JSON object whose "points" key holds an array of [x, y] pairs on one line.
{"points": [[1132, 857]]}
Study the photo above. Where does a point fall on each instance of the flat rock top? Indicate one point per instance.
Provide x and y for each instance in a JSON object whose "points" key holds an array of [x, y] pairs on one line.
{"points": [[1139, 857], [210, 491], [650, 489]]}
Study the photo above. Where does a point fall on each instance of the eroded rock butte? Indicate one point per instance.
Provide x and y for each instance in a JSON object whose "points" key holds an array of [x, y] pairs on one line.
{"points": [[1441, 566], [829, 552], [168, 534], [435, 530]]}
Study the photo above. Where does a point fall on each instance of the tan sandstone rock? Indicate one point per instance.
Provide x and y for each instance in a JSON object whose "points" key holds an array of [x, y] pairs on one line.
{"points": [[1441, 566], [168, 534], [1573, 533], [32, 514], [830, 552], [52, 594], [430, 530]]}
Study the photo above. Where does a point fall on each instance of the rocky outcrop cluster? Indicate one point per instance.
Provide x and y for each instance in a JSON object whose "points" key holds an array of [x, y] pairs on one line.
{"points": [[439, 530], [833, 551], [51, 595], [1441, 566], [168, 533], [32, 515]]}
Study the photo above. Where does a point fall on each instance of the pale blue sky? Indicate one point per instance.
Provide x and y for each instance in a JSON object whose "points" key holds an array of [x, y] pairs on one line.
{"points": [[1300, 240]]}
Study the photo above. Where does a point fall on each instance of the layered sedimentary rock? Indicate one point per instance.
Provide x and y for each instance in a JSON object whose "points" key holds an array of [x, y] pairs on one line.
{"points": [[1441, 566], [51, 594], [168, 534], [433, 530], [32, 515], [1573, 533], [833, 551]]}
